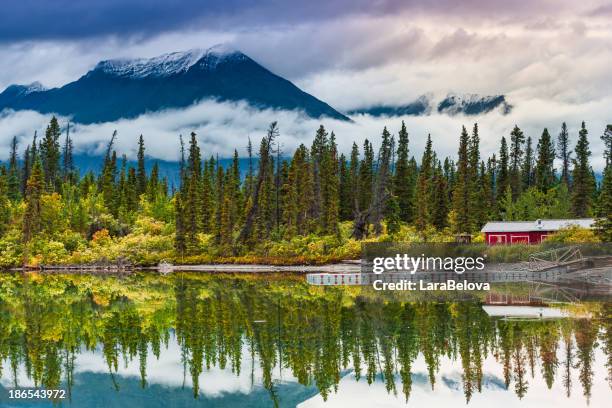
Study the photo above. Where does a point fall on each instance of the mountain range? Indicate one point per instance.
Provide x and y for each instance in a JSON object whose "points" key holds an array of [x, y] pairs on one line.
{"points": [[126, 88], [452, 104]]}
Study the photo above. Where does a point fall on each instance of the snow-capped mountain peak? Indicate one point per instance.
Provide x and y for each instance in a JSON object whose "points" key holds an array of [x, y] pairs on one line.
{"points": [[470, 104], [168, 64], [160, 66], [125, 88], [34, 87], [22, 90]]}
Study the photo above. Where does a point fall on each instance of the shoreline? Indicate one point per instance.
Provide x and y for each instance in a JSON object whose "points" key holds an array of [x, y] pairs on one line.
{"points": [[348, 266]]}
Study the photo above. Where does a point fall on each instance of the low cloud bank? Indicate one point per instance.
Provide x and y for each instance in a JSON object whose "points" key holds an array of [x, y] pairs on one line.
{"points": [[222, 127]]}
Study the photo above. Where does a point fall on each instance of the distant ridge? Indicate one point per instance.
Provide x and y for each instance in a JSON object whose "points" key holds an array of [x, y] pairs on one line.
{"points": [[125, 88], [452, 104]]}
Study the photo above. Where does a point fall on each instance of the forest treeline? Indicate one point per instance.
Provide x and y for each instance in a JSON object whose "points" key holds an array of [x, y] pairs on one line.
{"points": [[317, 191]]}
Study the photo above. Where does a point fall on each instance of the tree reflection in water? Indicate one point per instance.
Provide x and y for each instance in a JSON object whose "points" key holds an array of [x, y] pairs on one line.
{"points": [[314, 333]]}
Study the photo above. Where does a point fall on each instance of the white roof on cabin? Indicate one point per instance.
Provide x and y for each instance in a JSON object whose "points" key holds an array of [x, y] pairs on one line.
{"points": [[538, 225]]}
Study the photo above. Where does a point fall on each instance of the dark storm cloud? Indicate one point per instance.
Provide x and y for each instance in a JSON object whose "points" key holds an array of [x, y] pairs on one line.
{"points": [[65, 19], [72, 19]]}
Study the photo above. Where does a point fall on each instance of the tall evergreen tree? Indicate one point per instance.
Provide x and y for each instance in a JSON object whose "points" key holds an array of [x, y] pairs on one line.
{"points": [[258, 196], [383, 186], [180, 244], [153, 184], [141, 174], [403, 185], [582, 179], [517, 138], [545, 171], [424, 187], [503, 177], [330, 186], [461, 194], [5, 205], [527, 171], [13, 187], [474, 176], [50, 154], [366, 176], [439, 199], [354, 176], [317, 153], [192, 202], [67, 157], [345, 192], [604, 210], [25, 170], [564, 154], [219, 204]]}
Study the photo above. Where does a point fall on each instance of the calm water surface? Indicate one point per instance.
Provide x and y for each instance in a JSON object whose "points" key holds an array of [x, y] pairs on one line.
{"points": [[191, 340]]}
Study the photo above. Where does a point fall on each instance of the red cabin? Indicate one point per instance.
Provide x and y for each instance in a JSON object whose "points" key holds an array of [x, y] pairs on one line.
{"points": [[528, 232]]}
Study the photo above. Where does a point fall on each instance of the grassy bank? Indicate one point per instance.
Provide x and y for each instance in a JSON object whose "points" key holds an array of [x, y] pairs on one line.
{"points": [[152, 241]]}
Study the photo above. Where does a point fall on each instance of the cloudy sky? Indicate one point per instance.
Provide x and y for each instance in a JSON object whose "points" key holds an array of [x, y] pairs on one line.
{"points": [[552, 58]]}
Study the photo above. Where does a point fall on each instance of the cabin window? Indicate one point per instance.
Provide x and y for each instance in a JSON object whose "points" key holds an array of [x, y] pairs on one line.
{"points": [[519, 239], [497, 239]]}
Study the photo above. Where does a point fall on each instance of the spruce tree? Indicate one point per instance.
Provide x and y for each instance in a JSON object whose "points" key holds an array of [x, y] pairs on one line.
{"points": [[582, 179], [50, 154], [503, 177], [250, 176], [207, 195], [317, 153], [219, 204], [121, 191], [234, 193], [25, 170], [604, 210], [474, 152], [440, 199], [255, 216], [491, 202], [527, 171], [345, 193], [13, 187], [564, 154], [461, 194], [423, 210], [141, 174], [474, 176], [67, 158], [383, 185], [180, 245], [153, 185], [517, 138], [545, 171], [403, 185], [131, 195], [5, 205], [192, 202], [366, 176], [354, 176], [330, 187], [182, 165]]}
